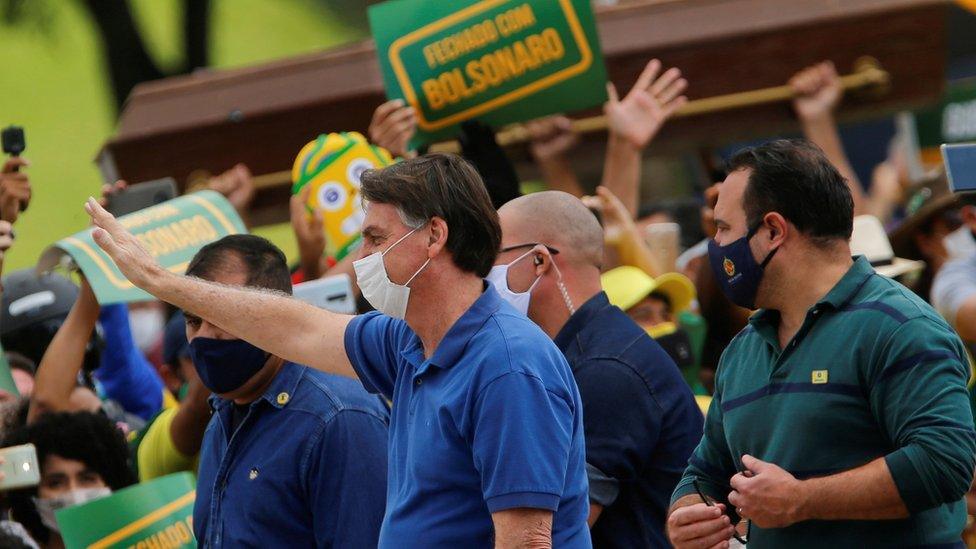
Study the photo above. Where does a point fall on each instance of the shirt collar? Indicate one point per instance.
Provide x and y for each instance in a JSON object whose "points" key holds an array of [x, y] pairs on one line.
{"points": [[456, 339], [838, 296], [579, 320]]}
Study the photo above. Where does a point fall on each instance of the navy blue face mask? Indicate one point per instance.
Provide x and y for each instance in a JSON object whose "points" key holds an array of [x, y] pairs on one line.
{"points": [[736, 270], [225, 365]]}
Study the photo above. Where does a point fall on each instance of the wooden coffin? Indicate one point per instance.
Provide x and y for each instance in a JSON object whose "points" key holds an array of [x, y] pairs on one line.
{"points": [[188, 126]]}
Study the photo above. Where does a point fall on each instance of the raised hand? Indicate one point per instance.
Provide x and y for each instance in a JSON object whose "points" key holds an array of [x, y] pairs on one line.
{"points": [[392, 126], [128, 254], [309, 233], [237, 186], [613, 214], [818, 91], [15, 189], [650, 103], [551, 136]]}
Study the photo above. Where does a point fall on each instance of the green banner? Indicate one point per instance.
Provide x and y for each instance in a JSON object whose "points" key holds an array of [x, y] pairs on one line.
{"points": [[172, 232], [158, 513], [952, 120], [6, 379], [498, 61]]}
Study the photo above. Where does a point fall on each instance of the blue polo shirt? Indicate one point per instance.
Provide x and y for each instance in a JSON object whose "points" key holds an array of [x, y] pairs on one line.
{"points": [[305, 468], [641, 422], [492, 421]]}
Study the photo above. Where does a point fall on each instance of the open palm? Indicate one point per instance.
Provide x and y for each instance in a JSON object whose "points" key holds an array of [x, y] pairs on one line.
{"points": [[639, 116]]}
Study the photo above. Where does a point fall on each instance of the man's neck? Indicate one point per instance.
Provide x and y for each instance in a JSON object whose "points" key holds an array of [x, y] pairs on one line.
{"points": [[266, 377], [799, 291], [433, 309], [553, 315]]}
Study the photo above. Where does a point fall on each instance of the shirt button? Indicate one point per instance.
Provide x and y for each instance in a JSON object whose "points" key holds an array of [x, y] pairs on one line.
{"points": [[283, 398], [418, 382], [253, 474]]}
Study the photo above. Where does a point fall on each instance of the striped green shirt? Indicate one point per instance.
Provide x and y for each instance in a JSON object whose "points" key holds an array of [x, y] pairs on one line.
{"points": [[874, 371]]}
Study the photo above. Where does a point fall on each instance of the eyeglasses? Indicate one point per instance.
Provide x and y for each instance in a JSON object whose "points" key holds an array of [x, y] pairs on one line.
{"points": [[552, 250], [710, 503]]}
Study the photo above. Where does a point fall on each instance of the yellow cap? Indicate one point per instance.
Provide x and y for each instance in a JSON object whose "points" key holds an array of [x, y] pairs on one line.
{"points": [[627, 286]]}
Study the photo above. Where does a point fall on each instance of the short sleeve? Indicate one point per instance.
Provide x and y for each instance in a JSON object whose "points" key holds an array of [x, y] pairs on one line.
{"points": [[373, 342], [522, 440], [954, 284]]}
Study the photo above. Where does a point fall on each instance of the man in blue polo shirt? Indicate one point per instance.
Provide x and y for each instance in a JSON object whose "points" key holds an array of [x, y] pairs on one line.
{"points": [[640, 418], [486, 443]]}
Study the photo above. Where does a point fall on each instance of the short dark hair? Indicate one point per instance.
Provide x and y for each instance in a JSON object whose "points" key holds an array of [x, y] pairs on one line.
{"points": [[794, 178], [445, 186], [90, 438], [266, 265]]}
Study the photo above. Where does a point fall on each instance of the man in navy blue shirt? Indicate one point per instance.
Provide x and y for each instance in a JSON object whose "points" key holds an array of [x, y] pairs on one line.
{"points": [[486, 437], [640, 418], [292, 457]]}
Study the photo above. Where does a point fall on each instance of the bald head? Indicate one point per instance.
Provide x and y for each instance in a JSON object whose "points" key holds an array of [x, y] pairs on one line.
{"points": [[556, 219]]}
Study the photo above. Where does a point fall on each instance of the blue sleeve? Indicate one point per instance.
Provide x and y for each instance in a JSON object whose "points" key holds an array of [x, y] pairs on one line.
{"points": [[373, 344], [521, 442], [622, 425], [346, 479], [124, 374]]}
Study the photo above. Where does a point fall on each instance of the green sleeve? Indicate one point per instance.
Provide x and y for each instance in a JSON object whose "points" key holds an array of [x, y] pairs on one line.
{"points": [[918, 394], [711, 463]]}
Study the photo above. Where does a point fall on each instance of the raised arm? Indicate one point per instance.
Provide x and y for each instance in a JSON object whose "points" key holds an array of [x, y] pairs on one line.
{"points": [[276, 323], [632, 122], [818, 93], [57, 373]]}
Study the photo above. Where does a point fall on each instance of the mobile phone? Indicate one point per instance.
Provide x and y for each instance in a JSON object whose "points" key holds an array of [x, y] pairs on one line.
{"points": [[142, 195], [960, 166], [332, 293], [20, 468], [13, 140]]}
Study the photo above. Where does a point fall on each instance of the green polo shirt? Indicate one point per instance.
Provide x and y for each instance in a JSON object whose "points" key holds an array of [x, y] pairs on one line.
{"points": [[874, 371]]}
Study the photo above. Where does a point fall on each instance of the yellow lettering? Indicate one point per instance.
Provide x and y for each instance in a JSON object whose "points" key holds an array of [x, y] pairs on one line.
{"points": [[474, 71], [432, 91], [429, 55], [515, 19], [554, 43], [523, 58]]}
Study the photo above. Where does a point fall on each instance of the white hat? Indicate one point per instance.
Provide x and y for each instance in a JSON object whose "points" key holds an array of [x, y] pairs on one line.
{"points": [[871, 241]]}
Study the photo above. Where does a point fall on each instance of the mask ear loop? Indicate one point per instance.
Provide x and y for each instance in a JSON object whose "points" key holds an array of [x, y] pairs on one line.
{"points": [[562, 290], [383, 253]]}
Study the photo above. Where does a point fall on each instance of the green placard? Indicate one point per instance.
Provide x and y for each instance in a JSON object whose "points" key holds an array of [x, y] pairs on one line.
{"points": [[158, 513], [952, 120], [498, 61], [172, 232], [6, 379]]}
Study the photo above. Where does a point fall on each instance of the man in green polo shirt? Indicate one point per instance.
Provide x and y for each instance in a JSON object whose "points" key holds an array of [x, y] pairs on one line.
{"points": [[840, 416]]}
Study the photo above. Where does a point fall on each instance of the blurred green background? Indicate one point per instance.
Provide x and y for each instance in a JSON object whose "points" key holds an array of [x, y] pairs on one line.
{"points": [[54, 84]]}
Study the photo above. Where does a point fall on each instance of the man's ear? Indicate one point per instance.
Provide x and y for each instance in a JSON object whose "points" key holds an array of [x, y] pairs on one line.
{"points": [[778, 227], [541, 260], [438, 236]]}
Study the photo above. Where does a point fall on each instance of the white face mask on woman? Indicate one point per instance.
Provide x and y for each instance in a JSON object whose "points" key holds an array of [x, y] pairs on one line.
{"points": [[46, 507], [382, 293]]}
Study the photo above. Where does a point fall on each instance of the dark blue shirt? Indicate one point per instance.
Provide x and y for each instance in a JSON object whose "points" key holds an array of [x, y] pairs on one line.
{"points": [[640, 418], [305, 468], [492, 421]]}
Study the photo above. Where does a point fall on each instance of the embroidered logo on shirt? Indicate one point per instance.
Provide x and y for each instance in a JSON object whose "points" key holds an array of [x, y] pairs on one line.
{"points": [[818, 377]]}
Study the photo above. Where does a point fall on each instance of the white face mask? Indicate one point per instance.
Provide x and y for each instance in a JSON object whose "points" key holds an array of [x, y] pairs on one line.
{"points": [[498, 277], [46, 507], [147, 327], [382, 293], [960, 243]]}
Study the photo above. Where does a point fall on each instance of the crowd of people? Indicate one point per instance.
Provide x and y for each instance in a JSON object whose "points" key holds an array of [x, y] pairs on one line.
{"points": [[569, 367]]}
